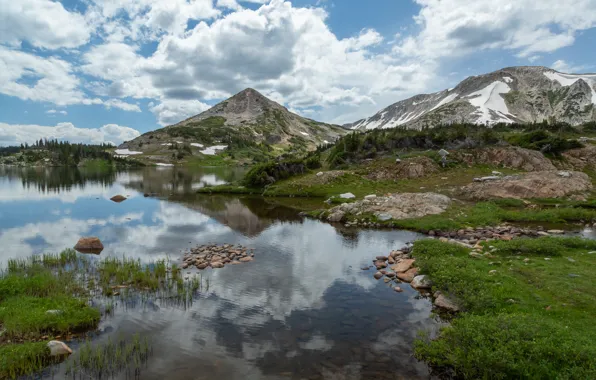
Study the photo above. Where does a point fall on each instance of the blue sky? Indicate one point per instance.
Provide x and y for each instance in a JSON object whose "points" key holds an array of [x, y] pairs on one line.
{"points": [[94, 71]]}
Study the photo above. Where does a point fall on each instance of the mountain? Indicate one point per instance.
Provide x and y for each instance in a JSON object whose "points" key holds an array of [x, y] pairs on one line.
{"points": [[245, 119], [513, 94]]}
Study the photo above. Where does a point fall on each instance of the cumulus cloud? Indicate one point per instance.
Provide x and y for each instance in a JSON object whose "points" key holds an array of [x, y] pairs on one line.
{"points": [[457, 27], [43, 23], [172, 111], [53, 112], [15, 134], [565, 67]]}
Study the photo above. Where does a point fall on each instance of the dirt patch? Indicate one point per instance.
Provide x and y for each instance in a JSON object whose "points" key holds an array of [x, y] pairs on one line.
{"points": [[415, 167], [506, 157], [545, 184]]}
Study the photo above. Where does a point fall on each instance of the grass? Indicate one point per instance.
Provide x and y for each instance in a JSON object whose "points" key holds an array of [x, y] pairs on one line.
{"points": [[64, 283], [21, 359], [110, 358], [530, 319]]}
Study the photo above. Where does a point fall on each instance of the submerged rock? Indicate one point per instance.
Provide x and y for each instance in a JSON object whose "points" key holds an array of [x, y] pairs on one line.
{"points": [[89, 245], [58, 348], [118, 198], [378, 275]]}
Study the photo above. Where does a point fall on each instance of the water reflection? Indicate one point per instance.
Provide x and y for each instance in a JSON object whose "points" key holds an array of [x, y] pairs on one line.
{"points": [[302, 309]]}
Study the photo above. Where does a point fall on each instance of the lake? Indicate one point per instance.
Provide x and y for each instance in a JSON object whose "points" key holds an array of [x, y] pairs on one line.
{"points": [[303, 309]]}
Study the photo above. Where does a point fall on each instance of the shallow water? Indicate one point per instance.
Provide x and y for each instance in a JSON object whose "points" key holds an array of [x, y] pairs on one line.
{"points": [[302, 309]]}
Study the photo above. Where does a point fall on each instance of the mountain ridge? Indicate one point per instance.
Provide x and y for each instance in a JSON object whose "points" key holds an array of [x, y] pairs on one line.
{"points": [[511, 94], [246, 119]]}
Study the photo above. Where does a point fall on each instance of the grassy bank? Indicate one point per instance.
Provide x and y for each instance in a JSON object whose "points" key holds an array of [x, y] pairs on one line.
{"points": [[47, 297], [527, 310]]}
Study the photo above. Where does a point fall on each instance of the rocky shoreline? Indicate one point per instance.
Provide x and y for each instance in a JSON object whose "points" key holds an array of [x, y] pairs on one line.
{"points": [[216, 256], [399, 268]]}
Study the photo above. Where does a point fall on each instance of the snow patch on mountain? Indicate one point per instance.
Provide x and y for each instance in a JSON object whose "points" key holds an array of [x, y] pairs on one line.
{"points": [[447, 99], [489, 99], [569, 79]]}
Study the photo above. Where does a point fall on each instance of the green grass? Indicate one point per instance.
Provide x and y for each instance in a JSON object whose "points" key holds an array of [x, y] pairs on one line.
{"points": [[21, 359], [529, 319], [25, 316]]}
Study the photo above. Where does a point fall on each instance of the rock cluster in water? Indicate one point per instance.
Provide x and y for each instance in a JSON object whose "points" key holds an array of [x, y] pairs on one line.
{"points": [[402, 269], [216, 256]]}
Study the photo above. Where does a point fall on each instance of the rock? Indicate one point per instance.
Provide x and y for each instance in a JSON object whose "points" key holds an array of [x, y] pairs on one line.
{"points": [[542, 233], [118, 198], [320, 174], [390, 274], [336, 216], [556, 232], [217, 264], [545, 184], [445, 303], [398, 289], [203, 265], [398, 206], [371, 196], [486, 179], [382, 258], [421, 282], [509, 157], [476, 255], [409, 275], [391, 260], [380, 264], [245, 259], [564, 174], [386, 280], [365, 268], [54, 312], [347, 196], [494, 172], [403, 266], [570, 260], [383, 217], [58, 348], [492, 272], [89, 245], [378, 275]]}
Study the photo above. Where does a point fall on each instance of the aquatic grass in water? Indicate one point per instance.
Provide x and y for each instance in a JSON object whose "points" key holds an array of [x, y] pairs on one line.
{"points": [[20, 359], [109, 359]]}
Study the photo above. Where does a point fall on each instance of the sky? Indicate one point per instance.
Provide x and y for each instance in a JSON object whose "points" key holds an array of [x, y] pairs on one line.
{"points": [[97, 71]]}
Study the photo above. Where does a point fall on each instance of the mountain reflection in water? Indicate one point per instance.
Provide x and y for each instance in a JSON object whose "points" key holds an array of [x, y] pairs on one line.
{"points": [[303, 309]]}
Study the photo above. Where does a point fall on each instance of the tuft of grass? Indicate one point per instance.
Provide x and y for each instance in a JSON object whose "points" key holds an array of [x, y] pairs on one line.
{"points": [[27, 317], [529, 319], [20, 359]]}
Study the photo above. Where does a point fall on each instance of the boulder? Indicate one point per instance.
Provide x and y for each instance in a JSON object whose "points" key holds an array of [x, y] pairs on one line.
{"points": [[347, 196], [546, 184], [421, 282], [383, 217], [403, 266], [409, 275], [378, 275], [445, 303], [58, 348], [371, 196], [89, 245], [118, 198], [336, 216], [245, 259], [397, 206], [509, 157], [217, 264]]}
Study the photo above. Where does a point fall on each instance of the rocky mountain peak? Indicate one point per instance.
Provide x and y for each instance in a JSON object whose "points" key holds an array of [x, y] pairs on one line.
{"points": [[511, 94]]}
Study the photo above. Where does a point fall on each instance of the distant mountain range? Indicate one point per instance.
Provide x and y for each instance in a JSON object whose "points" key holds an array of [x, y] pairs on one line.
{"points": [[247, 116], [513, 94]]}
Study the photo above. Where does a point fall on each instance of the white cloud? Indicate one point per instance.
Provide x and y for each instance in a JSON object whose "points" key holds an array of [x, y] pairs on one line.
{"points": [[53, 112], [457, 27], [172, 111], [117, 103], [565, 67], [15, 134], [43, 23]]}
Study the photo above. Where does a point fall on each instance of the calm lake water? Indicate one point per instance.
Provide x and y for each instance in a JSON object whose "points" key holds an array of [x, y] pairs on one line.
{"points": [[303, 309]]}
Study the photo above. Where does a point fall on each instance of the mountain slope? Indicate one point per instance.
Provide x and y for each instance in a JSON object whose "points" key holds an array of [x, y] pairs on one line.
{"points": [[514, 94], [246, 119]]}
